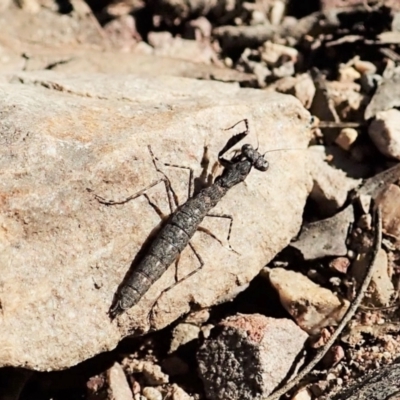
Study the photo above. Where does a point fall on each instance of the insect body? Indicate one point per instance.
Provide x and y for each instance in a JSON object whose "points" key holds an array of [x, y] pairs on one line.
{"points": [[183, 223]]}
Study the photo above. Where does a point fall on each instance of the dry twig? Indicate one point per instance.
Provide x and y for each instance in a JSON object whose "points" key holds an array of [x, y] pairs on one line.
{"points": [[347, 317]]}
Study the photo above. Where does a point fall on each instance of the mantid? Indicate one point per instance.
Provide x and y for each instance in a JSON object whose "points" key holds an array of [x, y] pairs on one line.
{"points": [[182, 224]]}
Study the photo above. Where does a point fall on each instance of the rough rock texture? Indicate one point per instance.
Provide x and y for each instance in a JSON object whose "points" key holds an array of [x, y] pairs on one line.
{"points": [[331, 185], [20, 26], [248, 356], [346, 138], [385, 97], [312, 306], [381, 384], [118, 385], [74, 43], [151, 393], [388, 200], [182, 334], [179, 394], [152, 374], [381, 289], [385, 133], [300, 86], [325, 238], [63, 254]]}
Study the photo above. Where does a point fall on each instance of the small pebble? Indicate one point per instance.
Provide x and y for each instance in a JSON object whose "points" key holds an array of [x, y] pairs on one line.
{"points": [[152, 393], [179, 394], [286, 69], [152, 373], [330, 377], [228, 62], [206, 330], [312, 306], [340, 264], [348, 74], [385, 132], [302, 394], [118, 386], [346, 138], [335, 281], [272, 52], [364, 67], [198, 317], [182, 334], [351, 254]]}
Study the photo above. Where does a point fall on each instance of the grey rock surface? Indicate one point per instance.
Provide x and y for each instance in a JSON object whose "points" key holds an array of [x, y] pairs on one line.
{"points": [[385, 133], [63, 254], [385, 97], [248, 356], [382, 384], [325, 238], [331, 185]]}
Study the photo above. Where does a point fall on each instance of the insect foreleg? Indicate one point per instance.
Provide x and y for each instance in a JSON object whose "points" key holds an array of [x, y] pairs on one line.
{"points": [[235, 138]]}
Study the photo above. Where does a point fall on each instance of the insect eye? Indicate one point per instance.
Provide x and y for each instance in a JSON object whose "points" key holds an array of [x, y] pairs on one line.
{"points": [[261, 164]]}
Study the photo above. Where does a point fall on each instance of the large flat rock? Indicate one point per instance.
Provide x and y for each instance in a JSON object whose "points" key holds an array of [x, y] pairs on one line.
{"points": [[63, 254]]}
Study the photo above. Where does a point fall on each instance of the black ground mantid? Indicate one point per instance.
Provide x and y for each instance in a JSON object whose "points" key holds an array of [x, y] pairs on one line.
{"points": [[182, 224]]}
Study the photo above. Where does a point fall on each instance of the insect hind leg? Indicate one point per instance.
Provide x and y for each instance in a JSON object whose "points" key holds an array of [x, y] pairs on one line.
{"points": [[177, 282], [110, 202], [142, 192], [228, 236]]}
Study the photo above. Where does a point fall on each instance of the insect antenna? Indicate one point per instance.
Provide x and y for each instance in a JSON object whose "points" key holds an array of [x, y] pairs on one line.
{"points": [[284, 149]]}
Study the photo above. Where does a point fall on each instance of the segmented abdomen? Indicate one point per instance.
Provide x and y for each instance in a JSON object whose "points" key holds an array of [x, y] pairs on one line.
{"points": [[169, 242]]}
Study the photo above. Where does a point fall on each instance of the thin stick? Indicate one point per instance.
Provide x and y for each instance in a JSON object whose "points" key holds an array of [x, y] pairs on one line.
{"points": [[347, 317]]}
